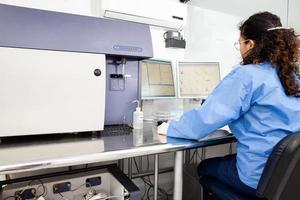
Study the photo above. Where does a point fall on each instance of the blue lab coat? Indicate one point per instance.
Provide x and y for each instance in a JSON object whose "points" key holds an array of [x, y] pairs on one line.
{"points": [[251, 100]]}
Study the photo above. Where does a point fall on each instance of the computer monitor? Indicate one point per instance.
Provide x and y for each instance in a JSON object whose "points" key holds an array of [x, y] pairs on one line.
{"points": [[197, 79], [157, 79]]}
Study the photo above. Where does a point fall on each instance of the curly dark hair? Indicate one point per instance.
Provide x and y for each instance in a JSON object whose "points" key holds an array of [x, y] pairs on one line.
{"points": [[280, 47]]}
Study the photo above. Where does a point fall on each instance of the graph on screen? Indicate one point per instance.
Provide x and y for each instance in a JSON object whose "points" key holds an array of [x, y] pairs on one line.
{"points": [[157, 79], [197, 79]]}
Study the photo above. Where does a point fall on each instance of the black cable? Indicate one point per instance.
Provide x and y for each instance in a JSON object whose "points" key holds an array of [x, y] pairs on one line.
{"points": [[148, 198], [41, 182], [62, 196], [137, 169], [203, 153], [198, 156], [80, 186], [29, 184], [191, 158], [149, 183], [148, 163], [14, 197], [195, 156]]}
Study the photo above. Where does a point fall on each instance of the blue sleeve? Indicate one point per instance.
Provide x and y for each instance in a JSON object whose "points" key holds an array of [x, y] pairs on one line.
{"points": [[229, 100]]}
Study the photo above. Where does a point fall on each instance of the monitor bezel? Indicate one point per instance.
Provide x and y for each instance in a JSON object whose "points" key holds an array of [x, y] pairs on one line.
{"points": [[174, 76]]}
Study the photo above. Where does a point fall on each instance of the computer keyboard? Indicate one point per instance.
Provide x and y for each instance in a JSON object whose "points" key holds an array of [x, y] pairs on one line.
{"points": [[216, 134], [116, 130]]}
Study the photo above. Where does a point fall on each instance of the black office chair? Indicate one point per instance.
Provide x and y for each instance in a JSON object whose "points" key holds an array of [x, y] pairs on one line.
{"points": [[280, 179]]}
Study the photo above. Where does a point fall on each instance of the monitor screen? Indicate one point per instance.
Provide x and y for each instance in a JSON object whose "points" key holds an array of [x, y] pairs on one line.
{"points": [[197, 79], [157, 79]]}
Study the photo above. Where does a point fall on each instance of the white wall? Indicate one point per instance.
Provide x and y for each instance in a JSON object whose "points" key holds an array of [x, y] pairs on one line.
{"points": [[245, 8], [210, 37], [294, 15], [212, 28]]}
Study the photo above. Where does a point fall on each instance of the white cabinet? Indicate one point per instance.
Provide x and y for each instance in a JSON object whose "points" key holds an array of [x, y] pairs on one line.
{"points": [[166, 14], [43, 92], [80, 7]]}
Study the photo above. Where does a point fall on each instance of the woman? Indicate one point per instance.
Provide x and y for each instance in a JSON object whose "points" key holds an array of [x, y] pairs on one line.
{"points": [[259, 100]]}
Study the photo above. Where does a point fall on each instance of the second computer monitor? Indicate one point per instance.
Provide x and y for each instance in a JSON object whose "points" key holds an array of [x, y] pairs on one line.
{"points": [[197, 79], [157, 79]]}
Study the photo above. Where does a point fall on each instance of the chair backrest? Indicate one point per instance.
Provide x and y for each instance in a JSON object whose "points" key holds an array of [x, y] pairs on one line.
{"points": [[281, 176]]}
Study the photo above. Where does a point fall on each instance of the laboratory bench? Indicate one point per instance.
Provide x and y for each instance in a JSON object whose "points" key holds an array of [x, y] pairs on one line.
{"points": [[24, 154]]}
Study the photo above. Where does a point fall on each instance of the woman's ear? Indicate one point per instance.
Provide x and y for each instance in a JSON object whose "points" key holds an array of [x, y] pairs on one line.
{"points": [[251, 44]]}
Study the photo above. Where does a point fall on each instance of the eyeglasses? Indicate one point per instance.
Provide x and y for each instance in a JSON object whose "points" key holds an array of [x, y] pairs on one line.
{"points": [[238, 43]]}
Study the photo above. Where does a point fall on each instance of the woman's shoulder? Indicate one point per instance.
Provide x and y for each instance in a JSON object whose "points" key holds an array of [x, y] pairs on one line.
{"points": [[254, 70], [253, 75]]}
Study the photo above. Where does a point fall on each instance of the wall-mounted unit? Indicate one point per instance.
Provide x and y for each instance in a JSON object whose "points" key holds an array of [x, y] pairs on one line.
{"points": [[160, 13]]}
